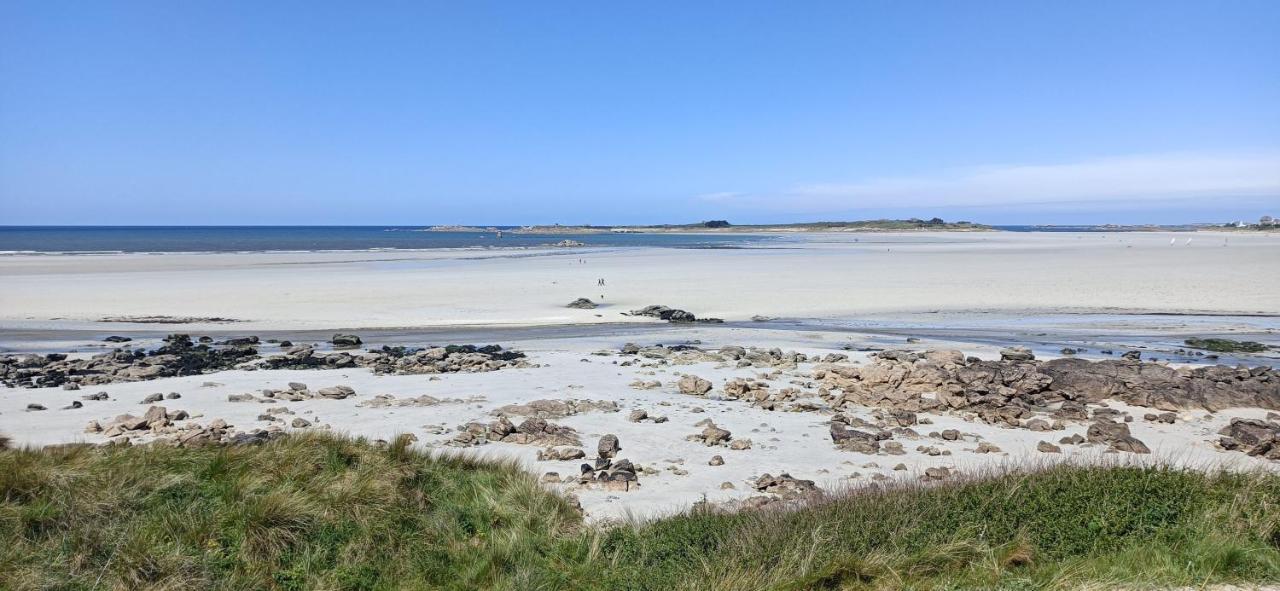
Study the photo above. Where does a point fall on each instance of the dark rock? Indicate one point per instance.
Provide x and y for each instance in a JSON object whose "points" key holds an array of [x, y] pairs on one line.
{"points": [[582, 304], [345, 340]]}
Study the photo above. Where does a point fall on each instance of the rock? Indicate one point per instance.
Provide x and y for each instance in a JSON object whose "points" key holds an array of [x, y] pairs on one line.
{"points": [[336, 392], [951, 435], [172, 396], [786, 486], [694, 385], [157, 397], [300, 423], [582, 304], [637, 415], [71, 386], [986, 448], [665, 313], [551, 478], [1038, 425], [1075, 439], [1016, 354], [1164, 417], [1049, 448], [713, 435], [35, 407], [117, 339], [740, 444], [1132, 355], [1116, 435], [854, 440], [561, 454], [345, 340], [240, 398], [716, 461], [74, 405], [609, 446], [156, 416], [937, 473], [1251, 432], [97, 396]]}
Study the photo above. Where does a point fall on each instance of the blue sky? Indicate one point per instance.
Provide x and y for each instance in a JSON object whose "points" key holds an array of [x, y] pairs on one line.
{"points": [[608, 112]]}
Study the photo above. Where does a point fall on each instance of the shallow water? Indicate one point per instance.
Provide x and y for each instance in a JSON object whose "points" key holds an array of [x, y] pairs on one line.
{"points": [[142, 239]]}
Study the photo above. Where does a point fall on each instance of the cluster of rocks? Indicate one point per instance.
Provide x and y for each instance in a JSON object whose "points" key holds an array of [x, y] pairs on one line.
{"points": [[160, 425], [388, 400], [1254, 437], [757, 392], [640, 415], [673, 315], [296, 392], [556, 409], [179, 356], [607, 470], [739, 356], [533, 431], [401, 360]]}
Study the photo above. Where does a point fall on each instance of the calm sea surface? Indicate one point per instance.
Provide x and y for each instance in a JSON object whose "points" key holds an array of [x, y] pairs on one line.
{"points": [[107, 239]]}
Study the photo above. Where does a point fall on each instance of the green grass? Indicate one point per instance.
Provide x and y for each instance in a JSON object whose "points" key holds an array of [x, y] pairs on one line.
{"points": [[322, 512]]}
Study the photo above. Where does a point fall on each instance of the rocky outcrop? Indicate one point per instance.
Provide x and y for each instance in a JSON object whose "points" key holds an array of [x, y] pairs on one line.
{"points": [[1007, 391], [673, 315], [582, 304], [159, 426], [533, 431], [401, 360], [180, 356]]}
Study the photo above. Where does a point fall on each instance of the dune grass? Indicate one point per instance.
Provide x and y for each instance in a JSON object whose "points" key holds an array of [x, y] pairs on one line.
{"points": [[323, 512]]}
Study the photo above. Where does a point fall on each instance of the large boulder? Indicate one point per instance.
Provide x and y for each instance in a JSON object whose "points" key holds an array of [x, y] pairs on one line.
{"points": [[691, 384]]}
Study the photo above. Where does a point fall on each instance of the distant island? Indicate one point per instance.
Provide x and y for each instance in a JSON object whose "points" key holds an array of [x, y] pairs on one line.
{"points": [[912, 224]]}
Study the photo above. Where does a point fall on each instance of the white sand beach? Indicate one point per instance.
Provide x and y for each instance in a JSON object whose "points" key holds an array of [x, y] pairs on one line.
{"points": [[808, 276], [1013, 286]]}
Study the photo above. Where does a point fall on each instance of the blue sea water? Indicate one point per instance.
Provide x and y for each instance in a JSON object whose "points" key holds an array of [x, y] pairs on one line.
{"points": [[108, 239]]}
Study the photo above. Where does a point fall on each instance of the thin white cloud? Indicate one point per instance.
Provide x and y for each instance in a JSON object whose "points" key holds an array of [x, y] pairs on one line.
{"points": [[1148, 179]]}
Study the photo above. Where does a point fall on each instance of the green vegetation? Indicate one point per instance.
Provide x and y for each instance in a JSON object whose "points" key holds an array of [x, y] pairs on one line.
{"points": [[1227, 345], [321, 512]]}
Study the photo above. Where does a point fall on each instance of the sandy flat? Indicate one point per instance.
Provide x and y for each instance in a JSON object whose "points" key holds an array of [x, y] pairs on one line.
{"points": [[793, 442], [809, 276]]}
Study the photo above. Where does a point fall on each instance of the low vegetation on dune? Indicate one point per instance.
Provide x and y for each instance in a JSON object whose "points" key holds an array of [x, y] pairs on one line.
{"points": [[324, 512]]}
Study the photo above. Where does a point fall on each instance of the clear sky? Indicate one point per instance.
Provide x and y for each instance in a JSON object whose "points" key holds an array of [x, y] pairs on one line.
{"points": [[637, 112]]}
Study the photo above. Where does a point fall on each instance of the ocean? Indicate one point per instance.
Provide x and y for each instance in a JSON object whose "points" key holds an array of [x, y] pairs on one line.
{"points": [[158, 239]]}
